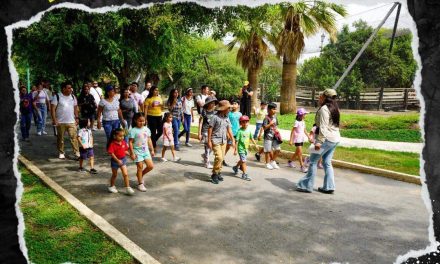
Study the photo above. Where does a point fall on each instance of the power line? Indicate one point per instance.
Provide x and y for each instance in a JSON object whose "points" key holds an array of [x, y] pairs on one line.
{"points": [[363, 12]]}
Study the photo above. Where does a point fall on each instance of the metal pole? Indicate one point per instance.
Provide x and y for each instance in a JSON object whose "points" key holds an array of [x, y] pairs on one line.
{"points": [[395, 26], [364, 47]]}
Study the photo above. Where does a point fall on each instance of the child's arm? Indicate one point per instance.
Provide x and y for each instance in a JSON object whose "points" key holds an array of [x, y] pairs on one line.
{"points": [[308, 136], [80, 142], [292, 136], [91, 141], [200, 127], [116, 158], [130, 147], [231, 136], [192, 115], [150, 146], [259, 133], [165, 130], [209, 137]]}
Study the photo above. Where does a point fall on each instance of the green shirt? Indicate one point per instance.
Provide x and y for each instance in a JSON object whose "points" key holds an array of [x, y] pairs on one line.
{"points": [[243, 138]]}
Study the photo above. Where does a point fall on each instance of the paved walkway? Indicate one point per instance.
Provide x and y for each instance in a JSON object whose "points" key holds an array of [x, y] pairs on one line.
{"points": [[363, 143], [183, 218]]}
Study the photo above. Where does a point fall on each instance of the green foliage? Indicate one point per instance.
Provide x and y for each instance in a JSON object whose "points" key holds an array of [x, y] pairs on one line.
{"points": [[377, 67], [56, 233]]}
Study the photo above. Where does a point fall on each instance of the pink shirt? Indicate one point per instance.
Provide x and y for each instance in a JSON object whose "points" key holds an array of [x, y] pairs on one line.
{"points": [[299, 135], [169, 131]]}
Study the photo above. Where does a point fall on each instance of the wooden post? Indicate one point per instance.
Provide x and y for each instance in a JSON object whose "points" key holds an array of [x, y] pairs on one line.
{"points": [[379, 105], [313, 96], [405, 99]]}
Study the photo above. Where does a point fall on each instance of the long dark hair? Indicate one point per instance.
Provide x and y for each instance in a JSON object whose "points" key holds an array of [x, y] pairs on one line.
{"points": [[125, 88], [171, 100], [136, 117], [332, 105], [152, 89], [112, 136], [165, 117]]}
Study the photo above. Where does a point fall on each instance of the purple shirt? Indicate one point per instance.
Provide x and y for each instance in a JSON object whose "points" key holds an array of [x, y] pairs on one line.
{"points": [[26, 103]]}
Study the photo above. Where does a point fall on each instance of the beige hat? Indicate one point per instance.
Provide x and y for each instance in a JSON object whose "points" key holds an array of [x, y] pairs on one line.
{"points": [[246, 83], [329, 92], [223, 105]]}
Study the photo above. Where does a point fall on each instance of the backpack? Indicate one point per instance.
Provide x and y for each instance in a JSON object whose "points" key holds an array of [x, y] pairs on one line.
{"points": [[199, 110], [58, 99]]}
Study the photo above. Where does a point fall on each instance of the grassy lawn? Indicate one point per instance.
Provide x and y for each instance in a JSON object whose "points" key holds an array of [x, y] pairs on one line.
{"points": [[402, 128], [390, 160], [56, 233]]}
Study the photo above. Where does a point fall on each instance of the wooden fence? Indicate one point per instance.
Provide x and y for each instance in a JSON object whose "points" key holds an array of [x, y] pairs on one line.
{"points": [[370, 98]]}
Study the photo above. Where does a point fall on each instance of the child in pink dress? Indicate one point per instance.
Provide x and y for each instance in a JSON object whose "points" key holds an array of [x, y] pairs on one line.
{"points": [[297, 136], [168, 139]]}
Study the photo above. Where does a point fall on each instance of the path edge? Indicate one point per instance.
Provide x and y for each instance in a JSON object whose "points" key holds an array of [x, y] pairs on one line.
{"points": [[132, 248], [353, 166]]}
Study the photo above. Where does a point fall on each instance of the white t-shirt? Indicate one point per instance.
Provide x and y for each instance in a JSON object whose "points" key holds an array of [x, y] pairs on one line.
{"points": [[40, 96], [85, 136], [65, 108], [49, 93], [201, 98], [188, 104], [145, 94], [110, 110], [97, 93]]}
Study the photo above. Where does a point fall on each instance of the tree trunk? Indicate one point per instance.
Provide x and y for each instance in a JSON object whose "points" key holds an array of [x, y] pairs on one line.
{"points": [[288, 88], [253, 82]]}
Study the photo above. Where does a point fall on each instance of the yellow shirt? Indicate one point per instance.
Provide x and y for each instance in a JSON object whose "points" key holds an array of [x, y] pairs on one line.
{"points": [[154, 105]]}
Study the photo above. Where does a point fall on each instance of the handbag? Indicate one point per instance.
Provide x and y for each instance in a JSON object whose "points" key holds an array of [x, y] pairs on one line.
{"points": [[276, 134]]}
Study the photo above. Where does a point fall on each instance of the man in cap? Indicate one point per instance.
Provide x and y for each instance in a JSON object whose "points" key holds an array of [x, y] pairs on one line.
{"points": [[246, 93]]}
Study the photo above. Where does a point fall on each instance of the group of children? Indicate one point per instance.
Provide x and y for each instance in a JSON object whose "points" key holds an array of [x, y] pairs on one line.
{"points": [[220, 129]]}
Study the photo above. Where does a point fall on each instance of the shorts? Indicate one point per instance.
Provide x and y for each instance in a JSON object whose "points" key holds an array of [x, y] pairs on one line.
{"points": [[167, 143], [270, 145], [299, 144], [141, 156], [85, 154], [242, 157], [115, 165]]}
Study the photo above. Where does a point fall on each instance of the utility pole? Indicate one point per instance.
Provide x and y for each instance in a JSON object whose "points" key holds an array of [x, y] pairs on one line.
{"points": [[365, 46]]}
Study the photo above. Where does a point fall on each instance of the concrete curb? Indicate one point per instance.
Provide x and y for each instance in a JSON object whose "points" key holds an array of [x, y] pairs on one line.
{"points": [[354, 166], [138, 253]]}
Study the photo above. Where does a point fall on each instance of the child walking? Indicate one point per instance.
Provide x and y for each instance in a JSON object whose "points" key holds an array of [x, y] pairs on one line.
{"points": [[168, 139], [85, 139], [244, 135], [234, 118], [206, 115], [271, 144], [218, 132], [141, 148], [297, 137], [260, 114], [118, 148]]}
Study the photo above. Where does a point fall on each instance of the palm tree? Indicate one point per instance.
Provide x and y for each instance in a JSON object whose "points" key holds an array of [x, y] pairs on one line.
{"points": [[250, 28], [301, 19]]}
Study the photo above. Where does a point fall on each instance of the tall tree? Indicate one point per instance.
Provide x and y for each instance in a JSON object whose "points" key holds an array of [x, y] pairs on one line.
{"points": [[301, 19]]}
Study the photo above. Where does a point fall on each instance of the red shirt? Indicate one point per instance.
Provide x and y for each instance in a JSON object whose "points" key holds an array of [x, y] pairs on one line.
{"points": [[118, 149]]}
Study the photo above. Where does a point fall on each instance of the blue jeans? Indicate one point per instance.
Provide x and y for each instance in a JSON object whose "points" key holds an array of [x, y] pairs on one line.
{"points": [[306, 183], [109, 126], [257, 129], [41, 117], [25, 124], [186, 126], [176, 129]]}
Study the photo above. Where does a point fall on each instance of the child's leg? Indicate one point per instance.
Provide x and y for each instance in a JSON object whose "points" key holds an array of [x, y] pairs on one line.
{"points": [[172, 151], [267, 156], [125, 175], [149, 166], [275, 155], [92, 162], [163, 151], [243, 167], [207, 153], [139, 172], [80, 163], [299, 154], [114, 175]]}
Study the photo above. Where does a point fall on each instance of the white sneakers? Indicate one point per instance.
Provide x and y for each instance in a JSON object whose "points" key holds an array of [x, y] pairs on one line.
{"points": [[39, 133], [128, 190], [163, 159], [208, 165], [272, 165], [44, 133], [61, 156], [188, 145], [175, 159], [269, 166], [141, 187], [112, 189]]}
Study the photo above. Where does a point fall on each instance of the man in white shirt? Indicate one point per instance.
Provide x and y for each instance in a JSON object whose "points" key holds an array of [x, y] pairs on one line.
{"points": [[97, 94], [200, 99], [137, 97], [146, 90], [64, 112]]}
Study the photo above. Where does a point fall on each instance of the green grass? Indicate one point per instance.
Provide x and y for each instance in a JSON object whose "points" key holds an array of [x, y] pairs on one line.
{"points": [[55, 232], [401, 128], [390, 160]]}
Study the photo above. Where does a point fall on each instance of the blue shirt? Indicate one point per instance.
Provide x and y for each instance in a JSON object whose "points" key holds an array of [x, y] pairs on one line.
{"points": [[234, 118]]}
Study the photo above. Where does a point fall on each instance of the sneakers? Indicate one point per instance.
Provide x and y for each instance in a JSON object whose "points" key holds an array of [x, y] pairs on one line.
{"points": [[39, 133], [163, 159], [141, 187], [44, 133], [176, 159], [225, 164], [208, 165], [112, 189], [93, 171], [274, 165], [269, 166], [177, 148], [220, 177], [326, 191], [235, 169], [303, 169], [257, 156], [129, 191], [290, 164], [246, 177], [81, 169], [61, 156], [214, 178], [188, 145]]}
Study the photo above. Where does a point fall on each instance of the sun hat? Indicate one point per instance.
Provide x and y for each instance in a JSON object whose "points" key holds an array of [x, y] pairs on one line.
{"points": [[329, 92], [301, 111], [246, 83], [244, 118], [223, 105], [209, 99]]}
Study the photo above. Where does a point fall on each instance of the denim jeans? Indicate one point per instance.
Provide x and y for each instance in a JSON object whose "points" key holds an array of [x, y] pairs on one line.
{"points": [[109, 126], [25, 124], [257, 129], [186, 126], [306, 183], [176, 129], [41, 118]]}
